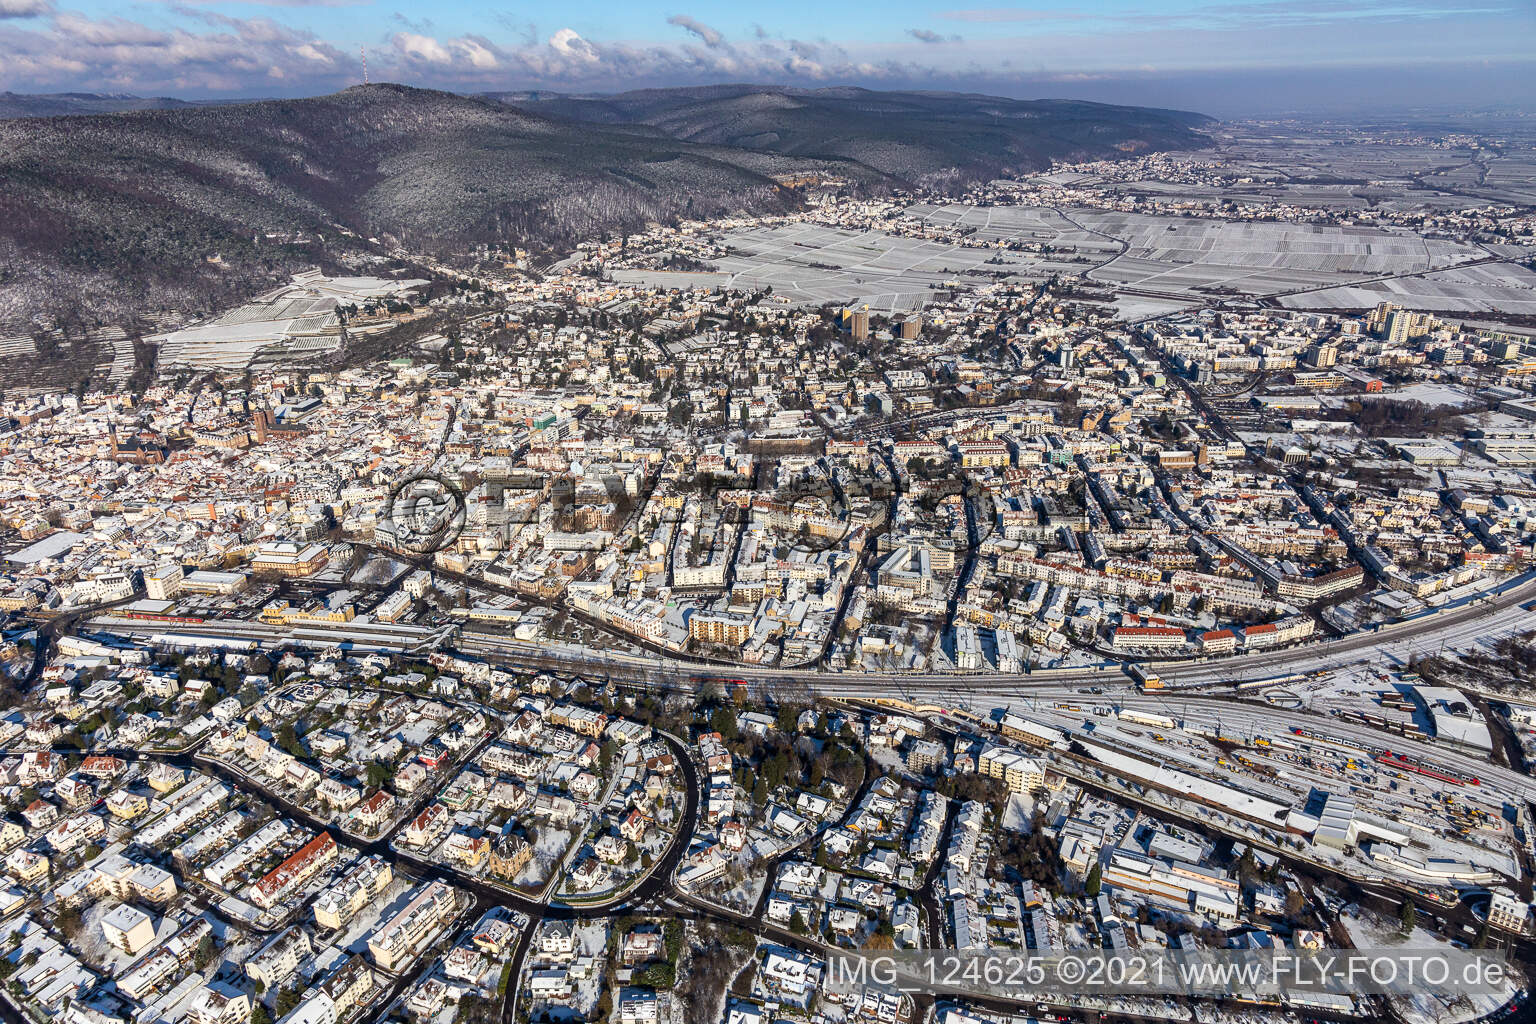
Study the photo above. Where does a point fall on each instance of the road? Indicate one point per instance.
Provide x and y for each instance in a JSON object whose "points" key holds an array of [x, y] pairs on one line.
{"points": [[60, 625], [1457, 626], [656, 884], [1451, 626], [1463, 625]]}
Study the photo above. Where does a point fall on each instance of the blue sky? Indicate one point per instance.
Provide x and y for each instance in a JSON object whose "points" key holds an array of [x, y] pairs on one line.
{"points": [[1227, 57]]}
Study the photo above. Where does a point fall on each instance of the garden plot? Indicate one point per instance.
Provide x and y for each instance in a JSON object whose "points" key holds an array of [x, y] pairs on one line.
{"points": [[1138, 307], [1074, 247], [1183, 255], [353, 936], [550, 847], [1489, 287], [1042, 224], [1512, 177], [812, 264], [1433, 1004], [378, 570], [815, 264]]}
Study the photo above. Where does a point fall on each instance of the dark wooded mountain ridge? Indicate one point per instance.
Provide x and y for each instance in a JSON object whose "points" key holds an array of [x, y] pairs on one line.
{"points": [[112, 212], [109, 214], [915, 136], [61, 104]]}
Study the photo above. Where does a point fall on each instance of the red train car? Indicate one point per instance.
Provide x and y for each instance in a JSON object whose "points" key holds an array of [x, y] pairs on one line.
{"points": [[1390, 759]]}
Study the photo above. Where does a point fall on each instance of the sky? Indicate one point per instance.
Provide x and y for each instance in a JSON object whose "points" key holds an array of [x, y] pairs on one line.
{"points": [[1228, 58]]}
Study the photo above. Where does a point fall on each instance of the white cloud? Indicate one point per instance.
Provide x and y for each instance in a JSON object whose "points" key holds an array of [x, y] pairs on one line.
{"points": [[476, 52], [309, 52], [230, 55], [466, 52], [25, 8], [208, 51], [423, 48], [710, 37], [1010, 14], [109, 32], [568, 44]]}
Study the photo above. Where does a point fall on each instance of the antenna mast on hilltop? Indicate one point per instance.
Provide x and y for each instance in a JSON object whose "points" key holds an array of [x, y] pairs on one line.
{"points": [[363, 51]]}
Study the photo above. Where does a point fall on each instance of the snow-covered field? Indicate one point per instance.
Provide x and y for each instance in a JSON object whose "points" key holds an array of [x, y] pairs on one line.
{"points": [[1432, 1004], [547, 851]]}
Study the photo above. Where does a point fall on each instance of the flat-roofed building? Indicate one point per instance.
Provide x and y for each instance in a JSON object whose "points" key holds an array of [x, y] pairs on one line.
{"points": [[219, 1004], [127, 928], [163, 582], [273, 964], [289, 558], [1507, 914], [1020, 772], [399, 938], [367, 879], [726, 628], [210, 581]]}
